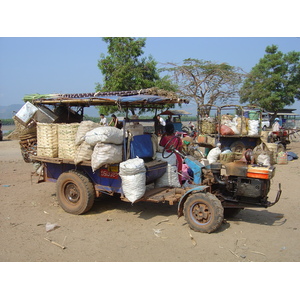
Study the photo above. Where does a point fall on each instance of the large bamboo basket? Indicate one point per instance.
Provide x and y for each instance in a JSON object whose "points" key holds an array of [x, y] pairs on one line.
{"points": [[23, 130], [208, 127], [227, 157], [47, 142], [66, 140]]}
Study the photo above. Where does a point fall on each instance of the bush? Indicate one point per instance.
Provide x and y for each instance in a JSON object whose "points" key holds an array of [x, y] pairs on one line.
{"points": [[7, 122]]}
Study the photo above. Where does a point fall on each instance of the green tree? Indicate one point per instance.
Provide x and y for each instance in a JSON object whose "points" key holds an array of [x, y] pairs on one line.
{"points": [[206, 82], [274, 82], [125, 69]]}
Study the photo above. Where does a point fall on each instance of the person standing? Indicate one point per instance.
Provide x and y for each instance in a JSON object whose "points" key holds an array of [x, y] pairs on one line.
{"points": [[276, 125], [103, 120], [168, 141], [169, 119], [161, 125]]}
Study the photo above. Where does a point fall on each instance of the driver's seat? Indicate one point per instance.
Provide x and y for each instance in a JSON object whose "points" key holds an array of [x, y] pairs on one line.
{"points": [[141, 146]]}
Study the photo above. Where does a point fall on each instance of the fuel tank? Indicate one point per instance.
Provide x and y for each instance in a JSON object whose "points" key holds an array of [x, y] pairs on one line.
{"points": [[236, 168], [242, 169]]}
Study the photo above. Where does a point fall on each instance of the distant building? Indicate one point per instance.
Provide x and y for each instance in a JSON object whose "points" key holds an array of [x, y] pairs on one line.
{"points": [[288, 118]]}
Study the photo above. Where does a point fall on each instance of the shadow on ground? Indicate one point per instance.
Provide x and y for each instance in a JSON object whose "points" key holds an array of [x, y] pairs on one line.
{"points": [[262, 217], [144, 210]]}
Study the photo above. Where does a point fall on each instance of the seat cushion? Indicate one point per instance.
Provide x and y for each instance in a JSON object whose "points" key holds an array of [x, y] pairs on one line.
{"points": [[141, 146]]}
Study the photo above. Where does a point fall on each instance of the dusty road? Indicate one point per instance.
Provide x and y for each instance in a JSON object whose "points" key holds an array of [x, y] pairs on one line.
{"points": [[115, 231]]}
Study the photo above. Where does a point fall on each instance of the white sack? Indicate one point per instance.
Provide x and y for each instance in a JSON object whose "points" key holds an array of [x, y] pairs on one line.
{"points": [[232, 125], [213, 155], [253, 127], [264, 159], [106, 154], [104, 134], [83, 152], [84, 127], [169, 179], [171, 160], [134, 186], [132, 166]]}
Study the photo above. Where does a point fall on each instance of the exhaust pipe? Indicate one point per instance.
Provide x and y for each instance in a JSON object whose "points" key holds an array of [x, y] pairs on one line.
{"points": [[216, 170]]}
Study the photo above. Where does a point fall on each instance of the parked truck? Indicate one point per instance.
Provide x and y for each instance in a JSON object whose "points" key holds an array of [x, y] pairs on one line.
{"points": [[203, 198], [236, 127]]}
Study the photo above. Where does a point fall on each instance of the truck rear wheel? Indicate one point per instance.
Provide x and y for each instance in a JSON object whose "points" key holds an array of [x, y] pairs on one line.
{"points": [[75, 192], [238, 147], [203, 212]]}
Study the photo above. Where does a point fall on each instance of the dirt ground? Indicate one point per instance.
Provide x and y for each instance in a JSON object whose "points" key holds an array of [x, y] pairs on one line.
{"points": [[116, 231]]}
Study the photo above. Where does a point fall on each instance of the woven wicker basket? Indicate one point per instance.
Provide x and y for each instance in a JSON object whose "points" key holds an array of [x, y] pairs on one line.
{"points": [[208, 127], [227, 157], [66, 140], [23, 130], [47, 140]]}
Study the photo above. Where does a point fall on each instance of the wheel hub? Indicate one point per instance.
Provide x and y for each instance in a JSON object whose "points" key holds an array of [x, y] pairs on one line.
{"points": [[201, 213], [72, 193]]}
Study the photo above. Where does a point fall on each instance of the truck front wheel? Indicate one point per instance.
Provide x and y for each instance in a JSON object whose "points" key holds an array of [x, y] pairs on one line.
{"points": [[203, 212], [75, 192]]}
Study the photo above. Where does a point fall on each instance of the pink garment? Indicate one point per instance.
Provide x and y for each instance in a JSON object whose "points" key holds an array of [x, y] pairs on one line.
{"points": [[185, 174]]}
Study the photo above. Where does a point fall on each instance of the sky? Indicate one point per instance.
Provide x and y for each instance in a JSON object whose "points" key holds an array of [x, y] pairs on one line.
{"points": [[56, 48], [69, 64]]}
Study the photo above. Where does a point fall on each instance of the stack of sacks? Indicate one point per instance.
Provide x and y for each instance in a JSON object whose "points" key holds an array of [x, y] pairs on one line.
{"points": [[107, 142], [84, 151], [231, 122], [133, 175]]}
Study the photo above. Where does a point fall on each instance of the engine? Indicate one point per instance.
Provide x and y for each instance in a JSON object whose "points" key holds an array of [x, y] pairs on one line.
{"points": [[249, 184]]}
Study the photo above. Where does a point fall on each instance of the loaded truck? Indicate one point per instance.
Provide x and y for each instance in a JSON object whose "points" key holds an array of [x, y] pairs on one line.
{"points": [[236, 127], [136, 162]]}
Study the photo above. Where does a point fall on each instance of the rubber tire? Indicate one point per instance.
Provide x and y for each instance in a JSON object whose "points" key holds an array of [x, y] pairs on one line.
{"points": [[231, 212], [84, 188], [215, 212], [238, 147]]}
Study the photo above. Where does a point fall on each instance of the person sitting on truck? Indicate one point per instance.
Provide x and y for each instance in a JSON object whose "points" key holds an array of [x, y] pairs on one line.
{"points": [[168, 139], [103, 120], [115, 122]]}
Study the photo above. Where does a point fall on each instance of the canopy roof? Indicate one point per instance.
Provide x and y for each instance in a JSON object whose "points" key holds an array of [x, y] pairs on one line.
{"points": [[141, 98], [172, 112]]}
